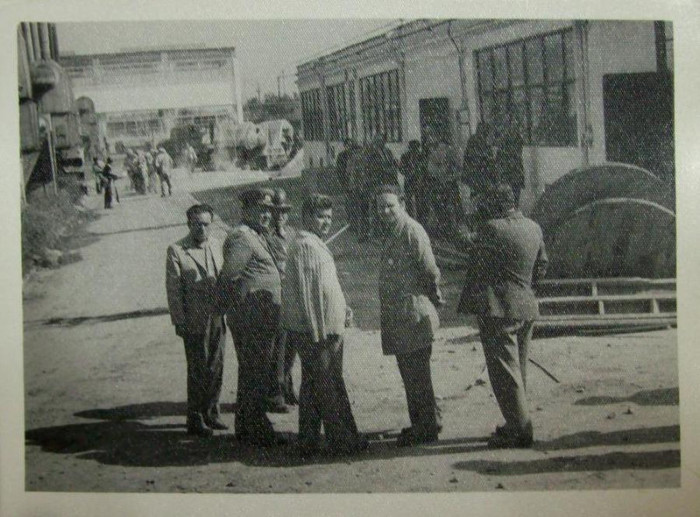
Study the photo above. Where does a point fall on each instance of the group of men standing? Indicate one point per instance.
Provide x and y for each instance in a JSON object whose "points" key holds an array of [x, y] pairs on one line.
{"points": [[280, 294], [147, 169], [432, 172]]}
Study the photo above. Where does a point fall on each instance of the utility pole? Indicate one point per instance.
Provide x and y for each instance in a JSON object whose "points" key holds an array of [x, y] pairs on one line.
{"points": [[279, 84], [52, 151], [258, 90]]}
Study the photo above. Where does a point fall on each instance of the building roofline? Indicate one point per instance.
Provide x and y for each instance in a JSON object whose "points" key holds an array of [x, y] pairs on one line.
{"points": [[145, 50]]}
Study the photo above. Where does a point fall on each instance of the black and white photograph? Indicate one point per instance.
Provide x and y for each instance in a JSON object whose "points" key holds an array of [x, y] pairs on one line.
{"points": [[332, 254]]}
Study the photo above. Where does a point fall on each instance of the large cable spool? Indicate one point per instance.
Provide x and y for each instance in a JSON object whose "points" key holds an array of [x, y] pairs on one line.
{"points": [[614, 237], [583, 186]]}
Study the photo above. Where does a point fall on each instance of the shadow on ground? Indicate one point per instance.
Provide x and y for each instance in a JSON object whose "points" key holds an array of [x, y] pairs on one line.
{"points": [[104, 318], [660, 397], [125, 437]]}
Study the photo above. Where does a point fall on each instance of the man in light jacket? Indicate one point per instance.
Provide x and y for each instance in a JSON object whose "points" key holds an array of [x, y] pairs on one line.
{"points": [[315, 315], [408, 293], [192, 266]]}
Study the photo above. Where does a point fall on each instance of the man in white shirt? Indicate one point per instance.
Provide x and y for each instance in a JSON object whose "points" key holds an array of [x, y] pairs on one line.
{"points": [[315, 315]]}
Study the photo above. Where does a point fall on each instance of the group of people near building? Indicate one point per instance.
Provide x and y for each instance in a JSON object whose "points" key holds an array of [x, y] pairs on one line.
{"points": [[431, 174], [146, 169], [279, 292]]}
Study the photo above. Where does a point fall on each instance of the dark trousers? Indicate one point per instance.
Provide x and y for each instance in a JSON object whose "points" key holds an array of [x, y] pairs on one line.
{"points": [[282, 361], [108, 195], [506, 343], [447, 206], [414, 368], [254, 325], [359, 204], [205, 367], [323, 398]]}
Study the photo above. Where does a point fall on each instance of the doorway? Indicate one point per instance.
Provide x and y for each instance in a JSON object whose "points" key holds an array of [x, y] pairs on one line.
{"points": [[434, 117]]}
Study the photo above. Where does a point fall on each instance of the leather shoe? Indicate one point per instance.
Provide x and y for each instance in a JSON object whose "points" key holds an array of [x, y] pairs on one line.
{"points": [[201, 431], [504, 439], [276, 405], [410, 437], [216, 423]]}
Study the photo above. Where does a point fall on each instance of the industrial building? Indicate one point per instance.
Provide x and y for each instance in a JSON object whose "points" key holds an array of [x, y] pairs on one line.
{"points": [[140, 95], [581, 92]]}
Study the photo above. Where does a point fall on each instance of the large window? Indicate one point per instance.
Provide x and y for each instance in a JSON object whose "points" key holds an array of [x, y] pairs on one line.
{"points": [[312, 116], [341, 111], [381, 105], [532, 83]]}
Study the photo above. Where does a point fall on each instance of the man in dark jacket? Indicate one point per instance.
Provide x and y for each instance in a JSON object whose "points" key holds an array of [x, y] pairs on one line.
{"points": [[478, 165], [509, 256], [249, 293], [508, 163]]}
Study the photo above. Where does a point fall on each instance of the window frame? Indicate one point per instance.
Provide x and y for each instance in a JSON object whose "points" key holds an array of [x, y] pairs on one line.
{"points": [[556, 99], [380, 105]]}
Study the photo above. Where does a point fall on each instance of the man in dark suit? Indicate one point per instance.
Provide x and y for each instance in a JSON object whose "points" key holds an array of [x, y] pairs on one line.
{"points": [[191, 269], [508, 257], [249, 293]]}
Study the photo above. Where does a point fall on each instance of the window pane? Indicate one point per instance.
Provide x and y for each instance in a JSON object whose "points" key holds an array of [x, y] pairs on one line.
{"points": [[569, 59], [533, 52], [515, 61], [518, 109], [554, 58], [485, 75], [487, 108], [536, 105], [500, 67]]}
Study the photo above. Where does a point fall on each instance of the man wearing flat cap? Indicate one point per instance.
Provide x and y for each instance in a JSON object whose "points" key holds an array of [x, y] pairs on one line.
{"points": [[249, 293], [279, 238]]}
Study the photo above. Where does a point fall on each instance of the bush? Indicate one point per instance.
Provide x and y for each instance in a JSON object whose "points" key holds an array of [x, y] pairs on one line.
{"points": [[48, 219]]}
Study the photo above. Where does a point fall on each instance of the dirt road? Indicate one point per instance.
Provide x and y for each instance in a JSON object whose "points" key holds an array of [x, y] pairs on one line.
{"points": [[105, 393]]}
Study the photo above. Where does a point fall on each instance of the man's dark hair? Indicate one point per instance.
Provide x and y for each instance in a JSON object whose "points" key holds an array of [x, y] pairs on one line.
{"points": [[199, 209], [500, 198], [391, 189], [315, 202]]}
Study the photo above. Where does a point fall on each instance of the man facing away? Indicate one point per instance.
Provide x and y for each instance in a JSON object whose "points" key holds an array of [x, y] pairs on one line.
{"points": [[408, 293], [315, 315], [508, 257], [249, 294], [191, 270], [163, 166]]}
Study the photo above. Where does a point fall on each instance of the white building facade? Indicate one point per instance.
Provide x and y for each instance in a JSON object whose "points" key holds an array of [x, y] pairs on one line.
{"points": [[139, 96], [554, 78]]}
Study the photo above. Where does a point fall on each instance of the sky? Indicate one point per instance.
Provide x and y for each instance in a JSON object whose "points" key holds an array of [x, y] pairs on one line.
{"points": [[266, 49]]}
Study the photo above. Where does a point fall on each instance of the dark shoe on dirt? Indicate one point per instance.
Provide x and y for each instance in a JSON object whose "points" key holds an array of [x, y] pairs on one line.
{"points": [[504, 439], [197, 427], [216, 424], [276, 405], [411, 437]]}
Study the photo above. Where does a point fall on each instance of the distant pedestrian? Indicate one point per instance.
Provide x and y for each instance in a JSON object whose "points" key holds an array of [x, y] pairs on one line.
{"points": [[107, 178], [163, 167], [443, 169], [96, 171], [315, 315], [508, 258], [409, 291], [191, 156], [279, 237], [192, 266], [412, 166], [508, 163], [478, 170], [357, 197]]}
